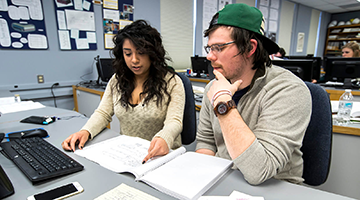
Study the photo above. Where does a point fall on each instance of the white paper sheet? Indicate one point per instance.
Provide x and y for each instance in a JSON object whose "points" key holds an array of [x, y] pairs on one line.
{"points": [[111, 14], [35, 8], [81, 20], [61, 19], [91, 37], [5, 39], [4, 5], [82, 43], [125, 192], [37, 41], [64, 39], [86, 5]]}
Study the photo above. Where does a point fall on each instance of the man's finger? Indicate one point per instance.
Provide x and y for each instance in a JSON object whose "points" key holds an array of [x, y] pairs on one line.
{"points": [[237, 84], [218, 75]]}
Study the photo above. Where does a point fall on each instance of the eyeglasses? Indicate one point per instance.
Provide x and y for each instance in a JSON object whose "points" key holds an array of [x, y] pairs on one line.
{"points": [[216, 48]]}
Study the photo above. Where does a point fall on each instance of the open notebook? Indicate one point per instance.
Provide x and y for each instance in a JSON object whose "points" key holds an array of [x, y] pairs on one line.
{"points": [[181, 174]]}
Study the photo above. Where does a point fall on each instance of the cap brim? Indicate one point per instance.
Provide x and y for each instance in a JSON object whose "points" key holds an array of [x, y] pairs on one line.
{"points": [[270, 46]]}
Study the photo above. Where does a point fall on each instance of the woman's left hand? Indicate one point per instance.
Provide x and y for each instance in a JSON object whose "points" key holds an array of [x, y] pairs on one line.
{"points": [[158, 147]]}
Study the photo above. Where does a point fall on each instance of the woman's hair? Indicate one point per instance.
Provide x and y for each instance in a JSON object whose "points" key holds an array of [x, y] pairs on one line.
{"points": [[242, 39], [354, 47], [147, 40]]}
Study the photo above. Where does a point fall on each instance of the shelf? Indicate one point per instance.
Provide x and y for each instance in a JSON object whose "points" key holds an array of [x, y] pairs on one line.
{"points": [[345, 33], [345, 39], [345, 26], [337, 43]]}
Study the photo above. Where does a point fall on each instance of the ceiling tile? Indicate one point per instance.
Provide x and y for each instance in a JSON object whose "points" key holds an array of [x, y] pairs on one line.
{"points": [[342, 3], [331, 6]]}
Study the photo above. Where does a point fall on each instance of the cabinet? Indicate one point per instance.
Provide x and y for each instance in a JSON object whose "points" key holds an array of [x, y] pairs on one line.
{"points": [[86, 100], [338, 36]]}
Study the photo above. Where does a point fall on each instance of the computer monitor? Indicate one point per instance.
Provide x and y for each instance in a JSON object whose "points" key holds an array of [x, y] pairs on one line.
{"points": [[342, 70], [303, 68], [105, 69], [200, 65], [317, 63]]}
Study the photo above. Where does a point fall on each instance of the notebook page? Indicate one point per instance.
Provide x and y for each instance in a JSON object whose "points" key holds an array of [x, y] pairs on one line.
{"points": [[125, 154], [188, 176], [119, 154]]}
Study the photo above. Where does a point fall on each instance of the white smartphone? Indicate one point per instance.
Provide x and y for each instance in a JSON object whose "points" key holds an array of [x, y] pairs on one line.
{"points": [[58, 193]]}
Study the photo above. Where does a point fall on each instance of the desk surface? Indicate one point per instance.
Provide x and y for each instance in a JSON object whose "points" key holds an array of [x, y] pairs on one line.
{"points": [[97, 180]]}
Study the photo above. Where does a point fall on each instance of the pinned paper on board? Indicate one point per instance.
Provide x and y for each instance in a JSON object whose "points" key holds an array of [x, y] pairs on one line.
{"points": [[115, 19], [22, 25], [76, 24]]}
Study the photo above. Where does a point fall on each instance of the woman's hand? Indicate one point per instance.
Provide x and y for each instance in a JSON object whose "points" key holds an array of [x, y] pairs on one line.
{"points": [[79, 138], [158, 147]]}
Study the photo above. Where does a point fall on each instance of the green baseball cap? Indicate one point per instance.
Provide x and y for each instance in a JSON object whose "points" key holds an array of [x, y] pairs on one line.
{"points": [[246, 17]]}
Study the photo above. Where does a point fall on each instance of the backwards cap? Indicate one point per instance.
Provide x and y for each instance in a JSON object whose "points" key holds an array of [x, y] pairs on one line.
{"points": [[246, 17]]}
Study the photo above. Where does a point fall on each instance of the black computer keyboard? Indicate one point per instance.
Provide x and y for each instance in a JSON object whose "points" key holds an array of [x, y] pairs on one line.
{"points": [[39, 160]]}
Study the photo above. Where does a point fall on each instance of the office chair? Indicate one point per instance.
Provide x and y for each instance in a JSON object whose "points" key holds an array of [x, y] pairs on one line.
{"points": [[317, 141], [188, 133]]}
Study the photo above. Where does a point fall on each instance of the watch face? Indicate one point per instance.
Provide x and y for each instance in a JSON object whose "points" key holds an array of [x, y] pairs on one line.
{"points": [[222, 109]]}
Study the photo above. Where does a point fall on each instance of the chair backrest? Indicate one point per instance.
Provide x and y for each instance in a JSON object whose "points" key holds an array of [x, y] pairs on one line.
{"points": [[188, 133], [317, 141]]}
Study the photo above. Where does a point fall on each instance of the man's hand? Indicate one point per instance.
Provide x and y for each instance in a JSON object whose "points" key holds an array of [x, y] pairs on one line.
{"points": [[206, 151], [158, 147], [221, 83], [79, 138]]}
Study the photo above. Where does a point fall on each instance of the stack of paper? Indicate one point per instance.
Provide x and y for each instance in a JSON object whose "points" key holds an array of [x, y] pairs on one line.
{"points": [[9, 106]]}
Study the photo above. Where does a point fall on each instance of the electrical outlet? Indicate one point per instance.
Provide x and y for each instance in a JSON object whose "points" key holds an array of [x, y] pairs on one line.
{"points": [[40, 78]]}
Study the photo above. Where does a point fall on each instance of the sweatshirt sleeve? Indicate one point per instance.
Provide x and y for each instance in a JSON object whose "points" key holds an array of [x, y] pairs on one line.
{"points": [[279, 132], [175, 112], [102, 116]]}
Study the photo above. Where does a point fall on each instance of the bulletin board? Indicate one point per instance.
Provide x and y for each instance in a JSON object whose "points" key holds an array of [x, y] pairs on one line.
{"points": [[116, 15], [76, 24], [270, 10], [22, 25]]}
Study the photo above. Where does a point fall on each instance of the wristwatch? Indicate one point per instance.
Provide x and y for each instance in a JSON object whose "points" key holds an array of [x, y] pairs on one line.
{"points": [[223, 107]]}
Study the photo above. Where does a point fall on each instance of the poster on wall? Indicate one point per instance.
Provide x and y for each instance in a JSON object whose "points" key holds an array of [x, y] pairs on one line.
{"points": [[22, 25], [300, 42], [76, 24], [209, 9], [115, 19]]}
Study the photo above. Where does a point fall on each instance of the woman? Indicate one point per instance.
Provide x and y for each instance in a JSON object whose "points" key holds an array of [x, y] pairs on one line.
{"points": [[350, 49], [144, 94]]}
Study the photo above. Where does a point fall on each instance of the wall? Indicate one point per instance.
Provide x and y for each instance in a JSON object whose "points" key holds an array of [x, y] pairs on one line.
{"points": [[285, 25], [314, 25], [21, 67], [325, 19], [345, 16], [177, 31]]}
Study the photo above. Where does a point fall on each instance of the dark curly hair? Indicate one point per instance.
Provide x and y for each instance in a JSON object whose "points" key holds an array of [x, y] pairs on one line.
{"points": [[242, 39], [148, 41]]}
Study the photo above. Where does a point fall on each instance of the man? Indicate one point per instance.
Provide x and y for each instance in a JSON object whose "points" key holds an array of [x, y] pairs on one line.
{"points": [[263, 135]]}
